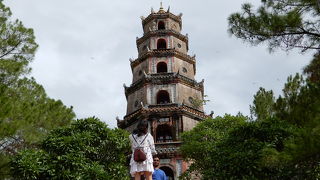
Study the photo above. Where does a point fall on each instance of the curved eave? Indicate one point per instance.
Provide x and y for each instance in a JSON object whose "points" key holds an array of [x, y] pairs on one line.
{"points": [[164, 78], [162, 108], [163, 53], [153, 16], [162, 33]]}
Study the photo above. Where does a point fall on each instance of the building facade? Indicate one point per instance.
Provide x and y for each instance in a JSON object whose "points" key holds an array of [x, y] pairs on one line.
{"points": [[164, 90]]}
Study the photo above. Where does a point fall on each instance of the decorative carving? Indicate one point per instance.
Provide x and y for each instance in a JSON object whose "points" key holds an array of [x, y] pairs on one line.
{"points": [[173, 31], [211, 114], [177, 73], [146, 75], [154, 25]]}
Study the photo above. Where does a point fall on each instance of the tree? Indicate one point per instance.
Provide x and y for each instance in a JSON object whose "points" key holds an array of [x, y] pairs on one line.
{"points": [[231, 147], [201, 142], [27, 114], [289, 24], [312, 70], [284, 24], [17, 47], [263, 103], [283, 144], [300, 107], [86, 149]]}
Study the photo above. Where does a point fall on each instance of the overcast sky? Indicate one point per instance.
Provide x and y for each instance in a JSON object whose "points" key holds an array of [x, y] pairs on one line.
{"points": [[85, 46]]}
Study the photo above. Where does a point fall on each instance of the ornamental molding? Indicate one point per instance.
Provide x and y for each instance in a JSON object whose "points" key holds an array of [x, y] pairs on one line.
{"points": [[174, 108], [163, 53], [162, 33], [165, 15], [164, 78]]}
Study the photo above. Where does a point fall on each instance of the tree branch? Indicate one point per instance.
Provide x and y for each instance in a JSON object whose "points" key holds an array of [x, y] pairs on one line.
{"points": [[12, 49]]}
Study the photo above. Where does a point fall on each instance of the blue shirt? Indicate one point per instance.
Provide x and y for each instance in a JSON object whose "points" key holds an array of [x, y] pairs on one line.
{"points": [[158, 174]]}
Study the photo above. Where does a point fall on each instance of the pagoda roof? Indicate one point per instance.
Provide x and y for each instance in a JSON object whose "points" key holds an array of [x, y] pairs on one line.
{"points": [[163, 53], [162, 32], [162, 108], [162, 15], [164, 78]]}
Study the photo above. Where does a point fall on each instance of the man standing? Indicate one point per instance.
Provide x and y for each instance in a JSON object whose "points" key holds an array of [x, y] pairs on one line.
{"points": [[158, 174]]}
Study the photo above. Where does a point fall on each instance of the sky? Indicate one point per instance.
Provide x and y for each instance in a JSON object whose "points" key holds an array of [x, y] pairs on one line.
{"points": [[85, 46]]}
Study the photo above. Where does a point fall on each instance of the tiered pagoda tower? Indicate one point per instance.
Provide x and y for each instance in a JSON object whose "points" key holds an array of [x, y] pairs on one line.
{"points": [[163, 89]]}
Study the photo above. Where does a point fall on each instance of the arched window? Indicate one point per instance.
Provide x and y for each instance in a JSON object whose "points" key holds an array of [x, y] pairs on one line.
{"points": [[168, 171], [164, 133], [162, 67], [161, 25], [161, 44], [163, 97]]}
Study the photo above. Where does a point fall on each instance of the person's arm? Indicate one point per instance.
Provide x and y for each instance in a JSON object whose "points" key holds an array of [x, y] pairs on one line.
{"points": [[131, 142], [151, 145]]}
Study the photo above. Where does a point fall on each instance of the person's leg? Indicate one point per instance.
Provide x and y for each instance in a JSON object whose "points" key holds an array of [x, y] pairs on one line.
{"points": [[137, 176], [148, 175]]}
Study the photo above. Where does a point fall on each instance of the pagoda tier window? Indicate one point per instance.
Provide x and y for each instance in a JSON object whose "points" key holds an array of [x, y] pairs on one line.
{"points": [[161, 44], [162, 67], [161, 25], [163, 97], [164, 133]]}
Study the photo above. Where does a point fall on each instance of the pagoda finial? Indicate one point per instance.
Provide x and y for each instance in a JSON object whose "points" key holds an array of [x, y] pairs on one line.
{"points": [[161, 10]]}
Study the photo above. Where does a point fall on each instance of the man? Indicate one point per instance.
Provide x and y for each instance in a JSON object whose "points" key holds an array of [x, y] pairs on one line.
{"points": [[158, 174]]}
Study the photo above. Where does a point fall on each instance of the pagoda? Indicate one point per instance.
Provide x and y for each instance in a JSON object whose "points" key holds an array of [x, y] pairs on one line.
{"points": [[164, 90]]}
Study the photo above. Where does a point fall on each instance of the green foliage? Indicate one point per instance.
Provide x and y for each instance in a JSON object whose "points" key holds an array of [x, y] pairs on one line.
{"points": [[288, 24], [86, 149], [263, 103], [26, 116], [17, 46], [201, 142], [26, 112], [230, 147], [284, 24], [282, 143], [197, 103], [312, 70]]}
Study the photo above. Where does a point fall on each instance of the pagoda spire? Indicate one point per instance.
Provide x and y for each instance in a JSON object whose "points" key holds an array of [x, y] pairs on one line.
{"points": [[161, 10]]}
